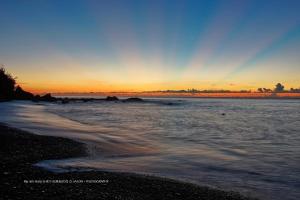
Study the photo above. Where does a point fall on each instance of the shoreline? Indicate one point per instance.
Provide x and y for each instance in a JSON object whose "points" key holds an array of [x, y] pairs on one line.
{"points": [[21, 180], [139, 98]]}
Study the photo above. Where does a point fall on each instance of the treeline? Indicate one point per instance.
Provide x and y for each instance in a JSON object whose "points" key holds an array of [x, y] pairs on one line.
{"points": [[278, 88], [198, 91]]}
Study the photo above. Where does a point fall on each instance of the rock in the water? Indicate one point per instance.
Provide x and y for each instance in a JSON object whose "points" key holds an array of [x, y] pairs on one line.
{"points": [[87, 100], [111, 98], [65, 100], [133, 99], [36, 98], [46, 97]]}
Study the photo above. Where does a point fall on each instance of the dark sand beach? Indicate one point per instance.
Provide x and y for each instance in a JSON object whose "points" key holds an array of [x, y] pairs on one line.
{"points": [[20, 150]]}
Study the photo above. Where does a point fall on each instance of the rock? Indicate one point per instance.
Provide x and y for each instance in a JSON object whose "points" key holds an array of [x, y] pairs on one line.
{"points": [[86, 100], [133, 99], [65, 101], [47, 97], [36, 98], [111, 98]]}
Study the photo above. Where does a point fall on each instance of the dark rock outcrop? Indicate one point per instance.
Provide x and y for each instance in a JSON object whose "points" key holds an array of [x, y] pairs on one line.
{"points": [[65, 100], [112, 98], [36, 98], [87, 100], [46, 97], [133, 99]]}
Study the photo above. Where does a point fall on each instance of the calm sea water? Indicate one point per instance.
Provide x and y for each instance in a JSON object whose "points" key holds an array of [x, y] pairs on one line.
{"points": [[249, 146]]}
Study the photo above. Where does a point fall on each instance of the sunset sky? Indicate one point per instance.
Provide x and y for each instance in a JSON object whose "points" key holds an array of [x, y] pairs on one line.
{"points": [[114, 45]]}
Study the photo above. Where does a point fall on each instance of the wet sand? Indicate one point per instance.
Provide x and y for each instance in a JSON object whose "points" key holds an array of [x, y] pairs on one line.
{"points": [[21, 180]]}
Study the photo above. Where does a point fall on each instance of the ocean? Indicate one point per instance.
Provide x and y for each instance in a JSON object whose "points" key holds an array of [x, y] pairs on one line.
{"points": [[245, 145]]}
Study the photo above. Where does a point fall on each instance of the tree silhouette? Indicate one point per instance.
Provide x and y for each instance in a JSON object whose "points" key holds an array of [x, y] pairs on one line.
{"points": [[260, 90], [7, 85], [279, 87]]}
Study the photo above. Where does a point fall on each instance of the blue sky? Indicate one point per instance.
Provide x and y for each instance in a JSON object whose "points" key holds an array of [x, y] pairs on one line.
{"points": [[147, 45]]}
